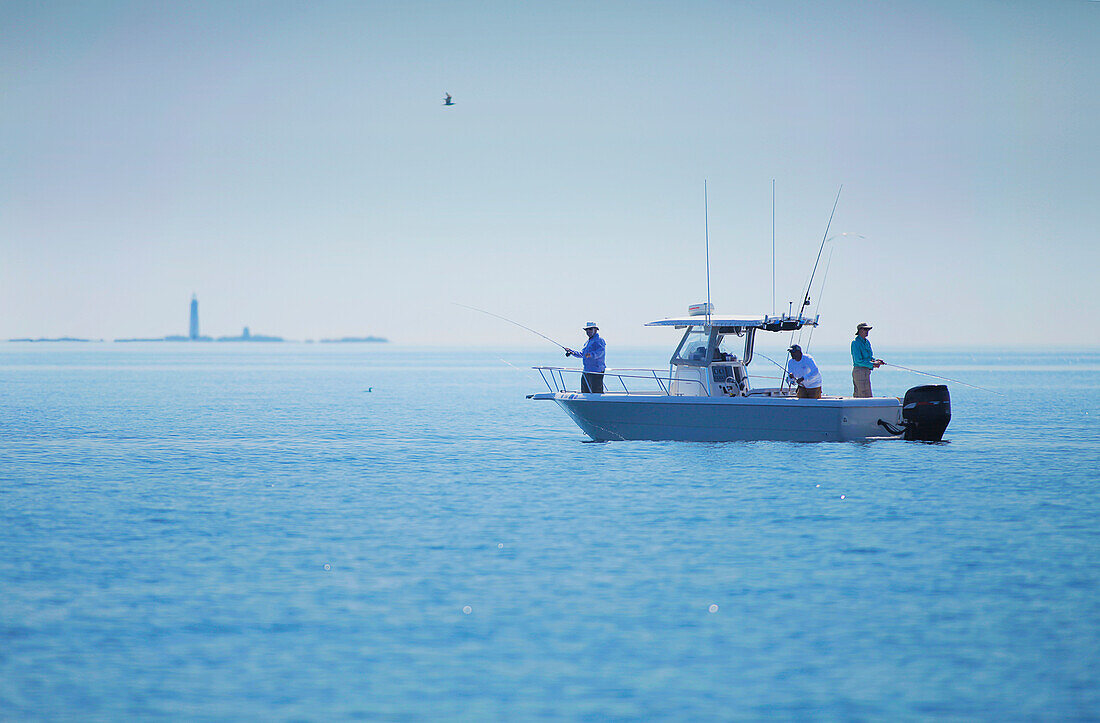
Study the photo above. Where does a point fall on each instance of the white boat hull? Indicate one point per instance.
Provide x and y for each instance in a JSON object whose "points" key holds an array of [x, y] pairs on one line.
{"points": [[607, 417]]}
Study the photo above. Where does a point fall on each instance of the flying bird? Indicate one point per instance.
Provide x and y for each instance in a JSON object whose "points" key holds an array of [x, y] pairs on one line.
{"points": [[447, 99]]}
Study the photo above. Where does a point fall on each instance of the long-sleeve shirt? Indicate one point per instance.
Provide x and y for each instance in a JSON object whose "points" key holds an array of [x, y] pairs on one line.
{"points": [[806, 369], [862, 356], [593, 354]]}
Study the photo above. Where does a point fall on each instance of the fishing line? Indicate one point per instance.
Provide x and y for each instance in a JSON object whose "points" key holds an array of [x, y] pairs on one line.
{"points": [[824, 280], [820, 292], [824, 238], [946, 379], [516, 323]]}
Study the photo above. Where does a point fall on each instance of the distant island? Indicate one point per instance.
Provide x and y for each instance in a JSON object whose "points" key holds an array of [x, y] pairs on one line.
{"points": [[194, 335], [59, 338], [174, 337], [246, 335], [355, 340]]}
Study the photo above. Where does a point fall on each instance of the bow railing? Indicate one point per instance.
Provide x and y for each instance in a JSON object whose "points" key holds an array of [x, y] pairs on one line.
{"points": [[641, 381]]}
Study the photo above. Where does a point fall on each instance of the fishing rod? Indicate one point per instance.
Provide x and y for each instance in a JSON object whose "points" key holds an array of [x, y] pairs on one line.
{"points": [[516, 323], [786, 374], [946, 379], [825, 280], [820, 293], [824, 238], [773, 361]]}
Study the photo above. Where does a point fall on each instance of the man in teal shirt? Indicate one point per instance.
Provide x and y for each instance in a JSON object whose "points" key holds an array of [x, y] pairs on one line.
{"points": [[863, 361]]}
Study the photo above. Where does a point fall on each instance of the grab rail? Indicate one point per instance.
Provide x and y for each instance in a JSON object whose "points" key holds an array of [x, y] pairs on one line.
{"points": [[557, 376]]}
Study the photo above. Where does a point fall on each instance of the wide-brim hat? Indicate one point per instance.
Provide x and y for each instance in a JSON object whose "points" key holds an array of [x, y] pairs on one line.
{"points": [[863, 325], [590, 325]]}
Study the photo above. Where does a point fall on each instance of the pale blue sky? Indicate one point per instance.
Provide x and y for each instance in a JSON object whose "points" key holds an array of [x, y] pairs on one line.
{"points": [[292, 164]]}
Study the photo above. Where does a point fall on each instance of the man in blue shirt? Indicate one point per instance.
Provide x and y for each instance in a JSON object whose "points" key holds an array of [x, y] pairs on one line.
{"points": [[863, 361], [593, 356]]}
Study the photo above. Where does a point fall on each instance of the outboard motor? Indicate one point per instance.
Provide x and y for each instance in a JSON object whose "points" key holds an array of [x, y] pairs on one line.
{"points": [[926, 412]]}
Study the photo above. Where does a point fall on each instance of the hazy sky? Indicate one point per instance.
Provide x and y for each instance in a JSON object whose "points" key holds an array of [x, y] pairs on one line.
{"points": [[293, 165]]}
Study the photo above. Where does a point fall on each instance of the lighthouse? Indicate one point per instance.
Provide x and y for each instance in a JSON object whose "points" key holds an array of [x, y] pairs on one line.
{"points": [[194, 318]]}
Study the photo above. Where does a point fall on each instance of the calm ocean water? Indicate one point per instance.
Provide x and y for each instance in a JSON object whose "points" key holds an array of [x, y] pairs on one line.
{"points": [[245, 531]]}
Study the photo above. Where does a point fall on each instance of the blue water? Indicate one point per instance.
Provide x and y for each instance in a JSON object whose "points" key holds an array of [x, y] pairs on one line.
{"points": [[245, 531]]}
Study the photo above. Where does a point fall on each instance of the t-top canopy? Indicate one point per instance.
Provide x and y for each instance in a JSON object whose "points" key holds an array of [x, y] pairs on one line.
{"points": [[739, 321]]}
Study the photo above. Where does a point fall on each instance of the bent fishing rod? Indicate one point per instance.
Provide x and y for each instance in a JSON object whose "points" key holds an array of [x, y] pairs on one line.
{"points": [[515, 323], [788, 376], [946, 379]]}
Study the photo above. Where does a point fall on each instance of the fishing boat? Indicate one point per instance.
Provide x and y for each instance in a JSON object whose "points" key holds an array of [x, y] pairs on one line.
{"points": [[706, 394]]}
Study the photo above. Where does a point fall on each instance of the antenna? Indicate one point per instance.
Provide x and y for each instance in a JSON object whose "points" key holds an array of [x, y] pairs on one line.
{"points": [[706, 235], [773, 246]]}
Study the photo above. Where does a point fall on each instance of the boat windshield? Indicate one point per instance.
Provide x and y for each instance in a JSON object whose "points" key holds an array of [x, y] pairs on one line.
{"points": [[727, 347], [694, 347]]}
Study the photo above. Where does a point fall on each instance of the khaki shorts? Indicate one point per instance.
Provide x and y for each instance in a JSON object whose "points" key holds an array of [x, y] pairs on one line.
{"points": [[861, 382], [809, 393]]}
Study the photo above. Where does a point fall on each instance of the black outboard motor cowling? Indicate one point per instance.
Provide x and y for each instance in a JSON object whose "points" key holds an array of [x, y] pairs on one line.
{"points": [[926, 412]]}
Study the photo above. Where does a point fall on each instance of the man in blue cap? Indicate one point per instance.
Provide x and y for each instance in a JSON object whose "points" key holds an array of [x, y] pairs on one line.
{"points": [[593, 356], [802, 370]]}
